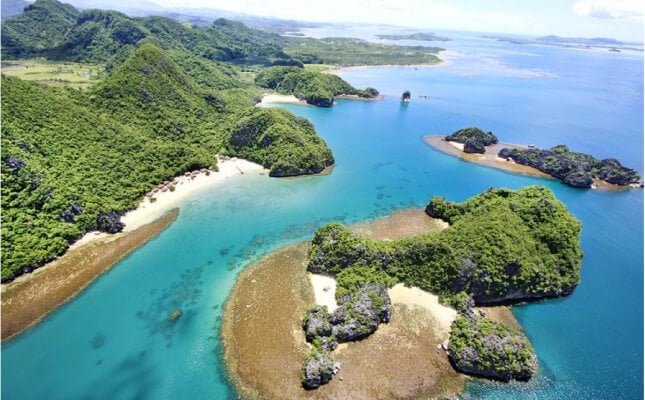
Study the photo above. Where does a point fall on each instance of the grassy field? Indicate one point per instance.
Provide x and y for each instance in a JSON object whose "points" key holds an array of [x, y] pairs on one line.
{"points": [[75, 75]]}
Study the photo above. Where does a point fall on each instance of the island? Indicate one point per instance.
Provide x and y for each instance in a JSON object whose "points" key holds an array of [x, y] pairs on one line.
{"points": [[315, 88], [498, 248], [608, 44], [423, 36], [572, 168]]}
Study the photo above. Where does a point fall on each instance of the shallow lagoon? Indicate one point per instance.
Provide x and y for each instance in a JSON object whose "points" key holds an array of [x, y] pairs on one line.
{"points": [[114, 340]]}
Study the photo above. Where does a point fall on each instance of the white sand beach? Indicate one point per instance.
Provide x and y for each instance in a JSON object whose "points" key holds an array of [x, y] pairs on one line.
{"points": [[273, 98], [324, 290], [184, 186], [400, 294], [324, 287]]}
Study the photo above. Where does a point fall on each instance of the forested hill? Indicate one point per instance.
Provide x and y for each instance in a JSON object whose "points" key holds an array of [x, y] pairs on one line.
{"points": [[73, 161], [58, 31], [50, 29]]}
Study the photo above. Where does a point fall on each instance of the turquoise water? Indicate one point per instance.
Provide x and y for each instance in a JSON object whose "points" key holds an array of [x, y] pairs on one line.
{"points": [[113, 341]]}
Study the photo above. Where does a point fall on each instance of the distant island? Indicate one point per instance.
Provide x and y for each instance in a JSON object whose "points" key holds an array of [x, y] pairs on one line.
{"points": [[574, 42], [423, 36], [316, 88], [572, 168], [514, 263]]}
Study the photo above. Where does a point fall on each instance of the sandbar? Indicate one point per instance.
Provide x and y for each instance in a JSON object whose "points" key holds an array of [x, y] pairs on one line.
{"points": [[488, 159]]}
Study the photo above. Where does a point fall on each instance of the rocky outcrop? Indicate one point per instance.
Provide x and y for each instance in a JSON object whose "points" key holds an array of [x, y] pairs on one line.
{"points": [[357, 317], [474, 146], [474, 139], [109, 222], [282, 168], [485, 348], [317, 369], [316, 323], [360, 313], [572, 168]]}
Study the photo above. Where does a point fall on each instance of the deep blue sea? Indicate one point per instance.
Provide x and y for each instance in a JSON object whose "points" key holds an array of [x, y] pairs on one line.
{"points": [[113, 341]]}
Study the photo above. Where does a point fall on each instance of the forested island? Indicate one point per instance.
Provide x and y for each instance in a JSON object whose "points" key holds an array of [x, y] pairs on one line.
{"points": [[499, 247], [423, 36], [316, 88], [572, 168], [502, 247], [166, 99]]}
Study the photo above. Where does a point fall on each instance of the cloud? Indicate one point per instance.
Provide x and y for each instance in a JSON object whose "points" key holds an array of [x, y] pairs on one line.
{"points": [[608, 9]]}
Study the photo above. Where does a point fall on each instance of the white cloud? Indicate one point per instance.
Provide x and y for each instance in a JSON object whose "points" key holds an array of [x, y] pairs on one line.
{"points": [[610, 9]]}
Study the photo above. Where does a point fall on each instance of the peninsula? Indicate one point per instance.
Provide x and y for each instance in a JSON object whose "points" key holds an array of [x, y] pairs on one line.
{"points": [[572, 168]]}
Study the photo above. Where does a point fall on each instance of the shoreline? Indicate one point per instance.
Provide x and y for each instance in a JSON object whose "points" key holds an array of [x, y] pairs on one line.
{"points": [[27, 302], [264, 345], [492, 160], [488, 159], [31, 297], [445, 57], [274, 98]]}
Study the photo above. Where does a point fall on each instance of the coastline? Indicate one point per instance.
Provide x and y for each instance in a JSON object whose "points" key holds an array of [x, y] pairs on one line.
{"points": [[273, 98], [488, 159], [445, 57], [264, 344], [26, 302], [31, 297], [491, 160]]}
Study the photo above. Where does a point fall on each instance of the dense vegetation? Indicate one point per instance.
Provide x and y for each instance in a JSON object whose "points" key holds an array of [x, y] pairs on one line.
{"points": [[314, 87], [53, 30], [429, 37], [349, 51], [486, 348], [285, 144], [502, 246], [574, 169], [74, 161], [474, 139]]}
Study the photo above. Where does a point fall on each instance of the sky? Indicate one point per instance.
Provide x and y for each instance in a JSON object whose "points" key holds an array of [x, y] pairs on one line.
{"points": [[620, 19]]}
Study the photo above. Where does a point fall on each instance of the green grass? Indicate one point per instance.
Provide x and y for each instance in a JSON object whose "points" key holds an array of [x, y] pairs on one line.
{"points": [[51, 73]]}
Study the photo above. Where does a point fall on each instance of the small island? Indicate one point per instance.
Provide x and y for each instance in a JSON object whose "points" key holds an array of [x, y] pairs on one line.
{"points": [[422, 36], [498, 248], [316, 88], [572, 168]]}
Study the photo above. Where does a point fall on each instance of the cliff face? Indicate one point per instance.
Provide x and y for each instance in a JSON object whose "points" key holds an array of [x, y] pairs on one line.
{"points": [[489, 349], [358, 316]]}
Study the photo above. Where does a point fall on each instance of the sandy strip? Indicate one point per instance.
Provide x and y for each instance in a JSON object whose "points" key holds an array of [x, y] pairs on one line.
{"points": [[324, 288], [488, 159], [30, 298], [273, 98], [413, 296], [184, 186]]}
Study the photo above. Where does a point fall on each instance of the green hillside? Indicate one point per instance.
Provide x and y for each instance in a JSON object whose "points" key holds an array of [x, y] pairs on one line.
{"points": [[74, 161]]}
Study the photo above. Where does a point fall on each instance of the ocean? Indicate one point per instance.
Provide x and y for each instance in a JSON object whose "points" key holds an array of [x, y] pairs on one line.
{"points": [[114, 340]]}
